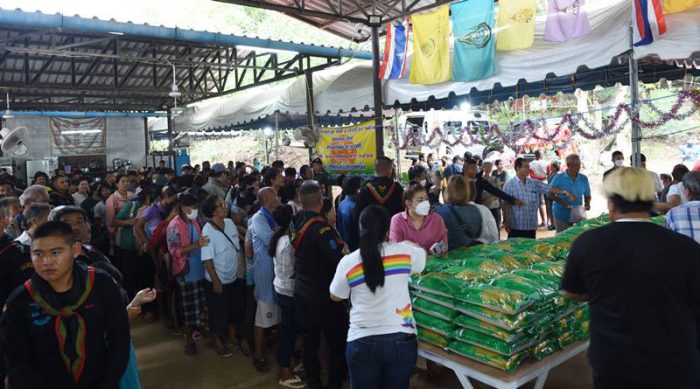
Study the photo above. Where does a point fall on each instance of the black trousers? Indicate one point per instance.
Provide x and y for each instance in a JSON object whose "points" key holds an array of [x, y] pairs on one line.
{"points": [[319, 315], [532, 234], [227, 308]]}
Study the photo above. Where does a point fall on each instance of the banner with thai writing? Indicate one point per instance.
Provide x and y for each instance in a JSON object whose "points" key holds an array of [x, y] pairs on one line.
{"points": [[348, 149], [81, 136]]}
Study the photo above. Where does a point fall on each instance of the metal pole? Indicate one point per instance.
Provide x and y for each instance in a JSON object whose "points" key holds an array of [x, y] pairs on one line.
{"points": [[146, 140], [170, 136], [398, 151], [377, 90], [634, 95], [310, 107], [277, 136]]}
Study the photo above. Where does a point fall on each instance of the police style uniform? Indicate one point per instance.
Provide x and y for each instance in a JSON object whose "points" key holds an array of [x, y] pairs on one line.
{"points": [[325, 182], [15, 268], [318, 249], [382, 191]]}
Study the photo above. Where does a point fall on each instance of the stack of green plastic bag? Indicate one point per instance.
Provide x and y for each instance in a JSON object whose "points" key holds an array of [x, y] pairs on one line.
{"points": [[499, 304]]}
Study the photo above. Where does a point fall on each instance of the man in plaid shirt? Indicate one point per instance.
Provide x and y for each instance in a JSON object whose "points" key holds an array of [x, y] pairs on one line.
{"points": [[685, 218], [521, 221]]}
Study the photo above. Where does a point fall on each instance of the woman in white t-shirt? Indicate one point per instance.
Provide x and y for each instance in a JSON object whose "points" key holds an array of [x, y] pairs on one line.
{"points": [[676, 193], [224, 286], [280, 249], [381, 345]]}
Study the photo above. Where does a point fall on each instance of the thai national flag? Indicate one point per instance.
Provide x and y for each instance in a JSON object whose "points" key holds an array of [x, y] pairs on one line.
{"points": [[648, 21], [395, 51]]}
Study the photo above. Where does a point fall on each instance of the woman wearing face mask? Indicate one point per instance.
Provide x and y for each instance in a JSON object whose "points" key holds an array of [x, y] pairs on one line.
{"points": [[417, 224], [185, 241]]}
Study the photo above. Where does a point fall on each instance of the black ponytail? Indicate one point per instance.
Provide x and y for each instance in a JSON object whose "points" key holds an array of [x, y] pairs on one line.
{"points": [[374, 225], [283, 217]]}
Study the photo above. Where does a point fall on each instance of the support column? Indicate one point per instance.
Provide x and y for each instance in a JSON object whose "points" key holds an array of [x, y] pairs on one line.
{"points": [[310, 107], [277, 136], [634, 96], [377, 90], [146, 139], [170, 137]]}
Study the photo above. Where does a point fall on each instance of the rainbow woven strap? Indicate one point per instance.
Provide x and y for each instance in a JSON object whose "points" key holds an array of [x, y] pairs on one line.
{"points": [[377, 196], [76, 367], [298, 237]]}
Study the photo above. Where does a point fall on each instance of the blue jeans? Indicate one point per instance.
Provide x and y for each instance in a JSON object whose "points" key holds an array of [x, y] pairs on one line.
{"points": [[287, 330], [382, 361]]}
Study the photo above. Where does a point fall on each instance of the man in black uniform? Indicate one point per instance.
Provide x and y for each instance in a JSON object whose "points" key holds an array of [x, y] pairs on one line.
{"points": [[323, 178], [318, 248], [66, 327], [15, 261], [381, 190]]}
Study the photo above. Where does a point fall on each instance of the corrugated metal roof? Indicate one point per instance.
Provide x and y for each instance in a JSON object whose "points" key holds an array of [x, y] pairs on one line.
{"points": [[50, 66]]}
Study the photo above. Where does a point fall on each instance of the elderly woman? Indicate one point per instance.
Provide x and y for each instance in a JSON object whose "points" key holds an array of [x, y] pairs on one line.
{"points": [[416, 224], [467, 223], [185, 243]]}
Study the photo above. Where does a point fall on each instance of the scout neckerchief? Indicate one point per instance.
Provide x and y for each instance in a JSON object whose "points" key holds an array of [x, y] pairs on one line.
{"points": [[297, 237], [77, 366], [377, 196]]}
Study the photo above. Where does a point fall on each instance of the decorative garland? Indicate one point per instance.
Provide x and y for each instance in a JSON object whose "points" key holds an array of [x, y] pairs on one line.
{"points": [[569, 125]]}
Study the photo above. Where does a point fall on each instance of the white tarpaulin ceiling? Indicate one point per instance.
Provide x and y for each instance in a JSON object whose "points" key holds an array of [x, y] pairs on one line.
{"points": [[347, 87]]}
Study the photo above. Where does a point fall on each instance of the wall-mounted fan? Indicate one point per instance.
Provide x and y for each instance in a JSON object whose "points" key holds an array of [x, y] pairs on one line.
{"points": [[309, 136], [12, 141]]}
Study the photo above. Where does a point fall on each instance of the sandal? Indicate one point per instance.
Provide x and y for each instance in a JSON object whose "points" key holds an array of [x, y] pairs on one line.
{"points": [[261, 365], [224, 352], [293, 383], [239, 346]]}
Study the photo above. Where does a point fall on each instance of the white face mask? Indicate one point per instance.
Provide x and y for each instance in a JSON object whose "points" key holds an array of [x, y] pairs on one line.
{"points": [[423, 208], [423, 182], [193, 214], [619, 163]]}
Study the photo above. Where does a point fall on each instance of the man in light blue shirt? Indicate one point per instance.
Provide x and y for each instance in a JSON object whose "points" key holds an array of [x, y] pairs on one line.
{"points": [[520, 221], [566, 211], [267, 313]]}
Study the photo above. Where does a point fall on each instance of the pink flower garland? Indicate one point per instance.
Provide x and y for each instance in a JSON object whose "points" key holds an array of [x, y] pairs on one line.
{"points": [[577, 123]]}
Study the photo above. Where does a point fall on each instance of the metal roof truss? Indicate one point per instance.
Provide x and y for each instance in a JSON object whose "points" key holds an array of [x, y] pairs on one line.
{"points": [[60, 70]]}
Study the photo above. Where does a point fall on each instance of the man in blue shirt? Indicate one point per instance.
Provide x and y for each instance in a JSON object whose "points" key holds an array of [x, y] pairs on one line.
{"points": [[346, 221], [262, 227], [567, 212], [520, 221]]}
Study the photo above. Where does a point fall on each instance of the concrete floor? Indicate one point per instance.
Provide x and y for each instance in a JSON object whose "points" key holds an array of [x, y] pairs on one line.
{"points": [[163, 364]]}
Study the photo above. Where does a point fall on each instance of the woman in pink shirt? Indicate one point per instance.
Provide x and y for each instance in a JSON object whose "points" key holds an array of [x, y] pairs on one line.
{"points": [[417, 224]]}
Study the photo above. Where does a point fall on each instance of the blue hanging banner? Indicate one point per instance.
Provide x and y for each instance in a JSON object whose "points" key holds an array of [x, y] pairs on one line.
{"points": [[474, 40]]}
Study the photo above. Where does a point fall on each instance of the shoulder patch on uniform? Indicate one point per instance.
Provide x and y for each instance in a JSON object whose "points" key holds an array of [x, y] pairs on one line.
{"points": [[324, 229]]}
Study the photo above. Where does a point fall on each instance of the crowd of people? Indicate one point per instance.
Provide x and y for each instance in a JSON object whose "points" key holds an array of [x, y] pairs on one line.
{"points": [[233, 251]]}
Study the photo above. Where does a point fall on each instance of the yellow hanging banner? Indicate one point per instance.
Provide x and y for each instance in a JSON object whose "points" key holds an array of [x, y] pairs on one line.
{"points": [[516, 24], [431, 47], [673, 6]]}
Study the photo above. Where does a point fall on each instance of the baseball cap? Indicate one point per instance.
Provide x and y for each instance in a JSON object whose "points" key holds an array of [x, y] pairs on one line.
{"points": [[317, 160], [218, 168]]}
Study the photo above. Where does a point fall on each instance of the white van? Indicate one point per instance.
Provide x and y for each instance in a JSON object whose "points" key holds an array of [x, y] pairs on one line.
{"points": [[452, 124]]}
